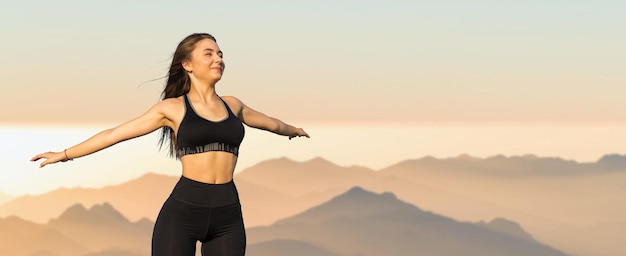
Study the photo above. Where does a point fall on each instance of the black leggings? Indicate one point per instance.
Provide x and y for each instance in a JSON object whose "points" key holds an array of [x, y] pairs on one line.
{"points": [[197, 211]]}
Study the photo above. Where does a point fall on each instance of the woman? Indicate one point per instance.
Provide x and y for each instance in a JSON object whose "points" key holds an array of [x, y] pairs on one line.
{"points": [[204, 131]]}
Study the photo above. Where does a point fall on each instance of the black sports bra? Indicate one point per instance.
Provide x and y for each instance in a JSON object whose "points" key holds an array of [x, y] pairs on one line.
{"points": [[197, 134]]}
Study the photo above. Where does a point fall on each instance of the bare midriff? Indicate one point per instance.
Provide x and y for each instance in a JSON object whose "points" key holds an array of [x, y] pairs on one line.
{"points": [[214, 167]]}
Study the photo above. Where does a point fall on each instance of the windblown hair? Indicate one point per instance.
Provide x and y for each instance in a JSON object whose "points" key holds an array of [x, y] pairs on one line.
{"points": [[178, 82]]}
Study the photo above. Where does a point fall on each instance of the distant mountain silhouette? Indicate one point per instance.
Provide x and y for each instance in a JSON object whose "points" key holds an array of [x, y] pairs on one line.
{"points": [[281, 187], [511, 167], [20, 237], [613, 162], [360, 222], [102, 227], [552, 198], [137, 198], [287, 176], [77, 232], [506, 227]]}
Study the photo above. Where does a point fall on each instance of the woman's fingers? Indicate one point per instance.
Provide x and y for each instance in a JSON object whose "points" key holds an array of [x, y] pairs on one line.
{"points": [[45, 156], [37, 157], [44, 163], [301, 133]]}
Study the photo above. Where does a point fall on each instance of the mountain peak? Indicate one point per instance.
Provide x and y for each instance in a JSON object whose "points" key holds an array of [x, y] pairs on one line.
{"points": [[355, 193], [319, 161], [348, 225], [508, 227], [359, 192], [467, 157], [105, 209], [356, 202], [613, 160], [104, 213], [75, 209]]}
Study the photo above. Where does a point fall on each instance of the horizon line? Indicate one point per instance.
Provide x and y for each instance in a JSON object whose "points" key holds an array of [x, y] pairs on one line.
{"points": [[319, 158]]}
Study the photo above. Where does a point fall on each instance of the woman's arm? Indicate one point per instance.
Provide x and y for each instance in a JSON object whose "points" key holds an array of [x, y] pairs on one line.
{"points": [[258, 120], [153, 119]]}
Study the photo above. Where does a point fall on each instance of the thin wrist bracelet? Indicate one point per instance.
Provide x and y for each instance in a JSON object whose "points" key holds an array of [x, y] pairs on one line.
{"points": [[66, 157]]}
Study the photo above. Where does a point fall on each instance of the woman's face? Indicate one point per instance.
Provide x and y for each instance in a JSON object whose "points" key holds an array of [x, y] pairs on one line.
{"points": [[206, 61]]}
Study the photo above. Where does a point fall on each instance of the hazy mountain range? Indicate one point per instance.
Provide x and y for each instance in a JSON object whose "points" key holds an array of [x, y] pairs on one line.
{"points": [[77, 231], [357, 222], [575, 207]]}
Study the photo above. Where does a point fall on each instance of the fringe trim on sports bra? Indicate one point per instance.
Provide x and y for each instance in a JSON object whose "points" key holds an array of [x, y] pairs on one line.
{"points": [[215, 146]]}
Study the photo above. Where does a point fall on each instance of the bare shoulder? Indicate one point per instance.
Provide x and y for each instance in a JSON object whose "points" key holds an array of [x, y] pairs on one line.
{"points": [[170, 107], [233, 103], [171, 101], [232, 99]]}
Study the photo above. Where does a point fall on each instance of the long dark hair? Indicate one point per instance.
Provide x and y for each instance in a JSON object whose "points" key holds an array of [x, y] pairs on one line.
{"points": [[178, 82]]}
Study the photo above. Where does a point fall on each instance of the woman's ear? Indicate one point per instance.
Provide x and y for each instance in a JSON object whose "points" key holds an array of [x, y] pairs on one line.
{"points": [[187, 66]]}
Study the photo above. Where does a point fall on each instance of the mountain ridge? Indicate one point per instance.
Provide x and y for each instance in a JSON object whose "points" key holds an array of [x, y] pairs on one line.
{"points": [[360, 222], [77, 223], [461, 194], [139, 197], [512, 166]]}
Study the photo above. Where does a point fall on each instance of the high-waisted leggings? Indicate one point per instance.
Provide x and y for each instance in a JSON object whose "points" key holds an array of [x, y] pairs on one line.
{"points": [[197, 211]]}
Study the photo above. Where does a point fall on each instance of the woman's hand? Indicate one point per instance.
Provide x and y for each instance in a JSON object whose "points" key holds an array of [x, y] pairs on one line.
{"points": [[299, 133], [51, 157], [153, 119]]}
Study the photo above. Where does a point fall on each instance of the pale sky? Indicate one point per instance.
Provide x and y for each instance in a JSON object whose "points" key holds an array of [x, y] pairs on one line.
{"points": [[328, 61], [437, 78]]}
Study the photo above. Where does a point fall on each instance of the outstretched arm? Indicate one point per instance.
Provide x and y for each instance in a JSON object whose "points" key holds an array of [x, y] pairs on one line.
{"points": [[256, 119], [144, 124]]}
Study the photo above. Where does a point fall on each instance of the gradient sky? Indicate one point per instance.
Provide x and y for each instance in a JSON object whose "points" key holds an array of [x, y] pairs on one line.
{"points": [[329, 61], [526, 76]]}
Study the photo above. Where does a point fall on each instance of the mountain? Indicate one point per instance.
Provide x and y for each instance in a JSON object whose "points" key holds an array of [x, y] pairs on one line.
{"points": [[269, 191], [98, 231], [614, 162], [527, 166], [278, 188], [360, 222], [138, 198], [102, 227], [287, 176], [256, 197], [554, 199], [525, 188], [21, 237], [506, 227], [580, 212]]}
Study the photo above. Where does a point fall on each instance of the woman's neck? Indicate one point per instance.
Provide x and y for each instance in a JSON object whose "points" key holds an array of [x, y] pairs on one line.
{"points": [[204, 93]]}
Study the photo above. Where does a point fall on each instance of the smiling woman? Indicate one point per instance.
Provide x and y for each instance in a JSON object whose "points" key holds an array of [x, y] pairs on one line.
{"points": [[204, 131]]}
